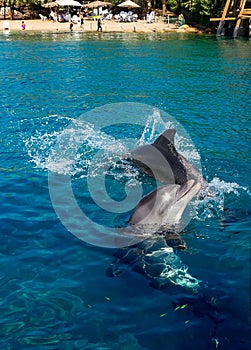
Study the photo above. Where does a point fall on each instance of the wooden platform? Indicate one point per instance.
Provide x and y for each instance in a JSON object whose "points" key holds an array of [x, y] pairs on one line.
{"points": [[235, 14]]}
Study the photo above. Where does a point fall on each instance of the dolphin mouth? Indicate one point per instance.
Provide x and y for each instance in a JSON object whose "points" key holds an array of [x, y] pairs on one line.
{"points": [[189, 189]]}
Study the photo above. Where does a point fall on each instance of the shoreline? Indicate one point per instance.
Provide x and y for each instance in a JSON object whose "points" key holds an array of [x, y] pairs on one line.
{"points": [[109, 26]]}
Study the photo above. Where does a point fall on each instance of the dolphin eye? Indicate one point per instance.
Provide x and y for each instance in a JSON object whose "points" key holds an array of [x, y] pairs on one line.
{"points": [[160, 211], [163, 208]]}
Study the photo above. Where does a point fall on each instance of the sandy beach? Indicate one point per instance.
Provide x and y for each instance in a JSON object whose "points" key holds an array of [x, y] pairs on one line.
{"points": [[140, 26]]}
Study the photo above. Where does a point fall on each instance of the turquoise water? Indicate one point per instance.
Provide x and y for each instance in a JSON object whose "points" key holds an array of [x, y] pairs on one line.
{"points": [[55, 292]]}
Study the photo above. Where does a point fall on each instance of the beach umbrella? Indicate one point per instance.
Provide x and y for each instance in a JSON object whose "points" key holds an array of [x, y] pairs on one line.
{"points": [[63, 3], [95, 4], [128, 4], [51, 4], [69, 3]]}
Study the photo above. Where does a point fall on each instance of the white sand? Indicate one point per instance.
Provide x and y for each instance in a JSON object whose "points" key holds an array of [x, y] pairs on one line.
{"points": [[89, 26]]}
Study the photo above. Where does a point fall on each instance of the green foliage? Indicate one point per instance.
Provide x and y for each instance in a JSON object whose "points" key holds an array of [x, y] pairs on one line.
{"points": [[115, 2], [23, 3], [200, 10], [174, 5], [202, 7]]}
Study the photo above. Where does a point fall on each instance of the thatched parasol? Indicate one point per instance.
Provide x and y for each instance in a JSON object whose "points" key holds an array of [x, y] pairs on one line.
{"points": [[73, 3], [51, 4], [128, 4], [63, 3], [95, 4]]}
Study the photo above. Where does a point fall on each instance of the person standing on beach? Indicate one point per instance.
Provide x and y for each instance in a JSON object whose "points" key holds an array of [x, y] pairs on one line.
{"points": [[51, 16], [82, 21], [71, 26], [99, 25], [23, 26]]}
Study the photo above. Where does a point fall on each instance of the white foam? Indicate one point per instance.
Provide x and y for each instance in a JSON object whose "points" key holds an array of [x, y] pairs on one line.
{"points": [[219, 186], [211, 203], [70, 151], [74, 150]]}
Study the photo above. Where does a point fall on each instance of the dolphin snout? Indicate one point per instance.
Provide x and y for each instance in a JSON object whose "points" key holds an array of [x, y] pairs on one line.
{"points": [[189, 189]]}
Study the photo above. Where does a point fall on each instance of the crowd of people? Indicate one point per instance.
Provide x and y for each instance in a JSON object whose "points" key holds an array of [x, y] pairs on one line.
{"points": [[123, 16], [61, 16], [74, 16]]}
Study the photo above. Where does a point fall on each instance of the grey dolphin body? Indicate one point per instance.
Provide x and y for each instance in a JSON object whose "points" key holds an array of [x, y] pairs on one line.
{"points": [[155, 259], [162, 161], [163, 208], [158, 211]]}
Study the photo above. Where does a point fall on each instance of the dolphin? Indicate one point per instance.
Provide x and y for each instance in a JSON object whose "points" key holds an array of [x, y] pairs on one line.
{"points": [[162, 208], [155, 259], [163, 268], [162, 161]]}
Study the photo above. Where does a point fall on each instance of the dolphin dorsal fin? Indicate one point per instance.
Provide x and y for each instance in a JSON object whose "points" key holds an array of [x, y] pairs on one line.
{"points": [[166, 139]]}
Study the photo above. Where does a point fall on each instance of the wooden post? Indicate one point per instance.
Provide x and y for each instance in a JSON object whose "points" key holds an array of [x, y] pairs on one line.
{"points": [[149, 5], [223, 16], [163, 7], [237, 26], [224, 13], [234, 11], [4, 9], [220, 28]]}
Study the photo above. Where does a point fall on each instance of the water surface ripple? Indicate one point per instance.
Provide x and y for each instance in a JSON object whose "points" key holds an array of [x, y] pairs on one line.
{"points": [[54, 291]]}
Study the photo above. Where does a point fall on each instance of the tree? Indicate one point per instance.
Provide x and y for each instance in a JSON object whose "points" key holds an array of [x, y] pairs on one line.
{"points": [[200, 10], [11, 5], [163, 7], [21, 4], [148, 4]]}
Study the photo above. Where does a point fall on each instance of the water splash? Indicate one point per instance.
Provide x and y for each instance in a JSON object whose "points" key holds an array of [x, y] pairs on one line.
{"points": [[220, 186], [69, 146], [155, 125], [213, 199], [70, 150]]}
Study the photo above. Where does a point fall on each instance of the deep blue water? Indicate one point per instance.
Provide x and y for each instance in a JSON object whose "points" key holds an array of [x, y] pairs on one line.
{"points": [[55, 293]]}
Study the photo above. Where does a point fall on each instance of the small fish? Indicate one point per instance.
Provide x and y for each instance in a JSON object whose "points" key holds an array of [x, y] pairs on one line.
{"points": [[107, 298], [216, 341], [162, 315], [180, 307]]}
